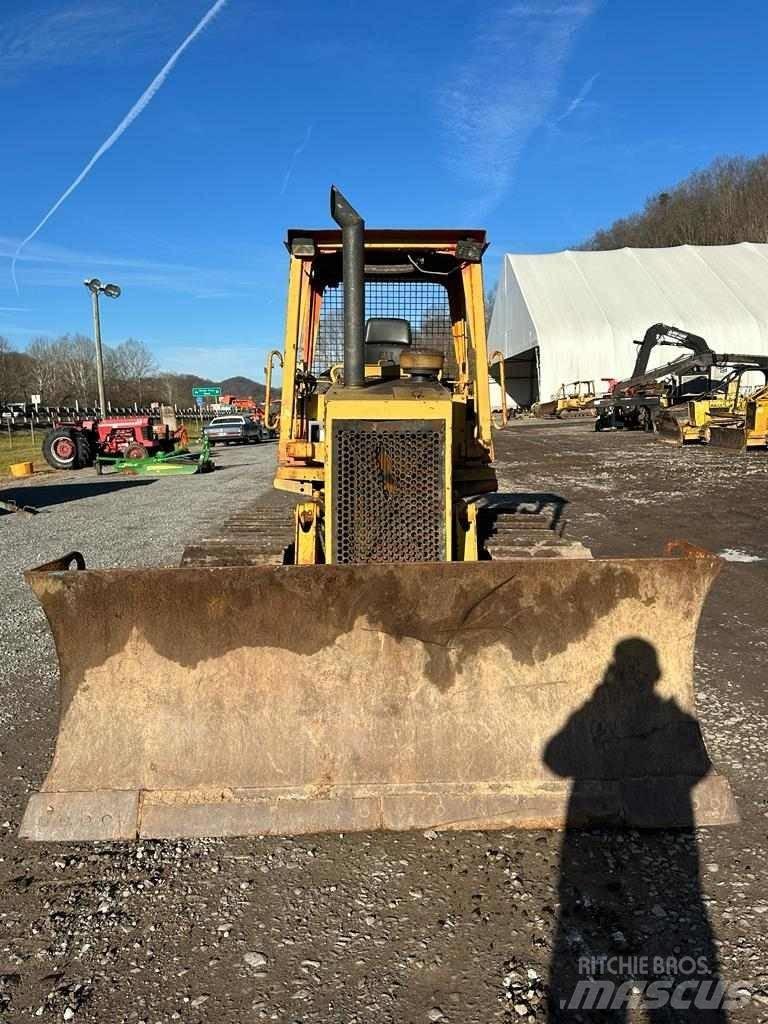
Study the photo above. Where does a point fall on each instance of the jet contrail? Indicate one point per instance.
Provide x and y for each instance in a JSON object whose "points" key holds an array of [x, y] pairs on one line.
{"points": [[578, 99], [129, 118], [296, 154]]}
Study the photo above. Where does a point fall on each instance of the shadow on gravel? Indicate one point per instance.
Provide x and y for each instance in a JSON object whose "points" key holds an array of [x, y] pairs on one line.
{"points": [[56, 494], [633, 931]]}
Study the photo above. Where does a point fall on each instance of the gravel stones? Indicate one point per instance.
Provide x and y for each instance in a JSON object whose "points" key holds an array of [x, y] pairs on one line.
{"points": [[384, 927]]}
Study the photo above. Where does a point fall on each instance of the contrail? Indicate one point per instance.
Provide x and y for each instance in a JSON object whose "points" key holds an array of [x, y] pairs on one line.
{"points": [[142, 102], [578, 99], [296, 154]]}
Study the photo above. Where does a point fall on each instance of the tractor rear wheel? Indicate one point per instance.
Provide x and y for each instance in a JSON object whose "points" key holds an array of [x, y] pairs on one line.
{"points": [[85, 452], [61, 449]]}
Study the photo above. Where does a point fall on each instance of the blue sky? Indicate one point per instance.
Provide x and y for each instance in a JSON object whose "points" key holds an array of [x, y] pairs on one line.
{"points": [[539, 120]]}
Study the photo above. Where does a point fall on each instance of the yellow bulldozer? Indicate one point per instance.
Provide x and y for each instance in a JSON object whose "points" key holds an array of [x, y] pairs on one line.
{"points": [[747, 428], [575, 400], [725, 404], [388, 642]]}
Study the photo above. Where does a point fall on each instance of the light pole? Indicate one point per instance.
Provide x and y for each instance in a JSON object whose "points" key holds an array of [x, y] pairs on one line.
{"points": [[94, 286]]}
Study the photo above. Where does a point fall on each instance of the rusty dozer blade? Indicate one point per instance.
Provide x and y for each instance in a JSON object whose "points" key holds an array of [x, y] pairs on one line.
{"points": [[669, 427], [543, 410], [731, 436], [295, 699]]}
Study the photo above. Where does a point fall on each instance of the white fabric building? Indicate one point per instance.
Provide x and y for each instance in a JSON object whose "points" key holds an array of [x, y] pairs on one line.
{"points": [[574, 315]]}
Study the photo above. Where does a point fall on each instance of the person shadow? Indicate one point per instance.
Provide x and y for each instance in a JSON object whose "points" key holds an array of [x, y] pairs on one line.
{"points": [[632, 928]]}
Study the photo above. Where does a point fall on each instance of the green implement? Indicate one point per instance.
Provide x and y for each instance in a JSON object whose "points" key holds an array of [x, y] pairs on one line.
{"points": [[181, 462]]}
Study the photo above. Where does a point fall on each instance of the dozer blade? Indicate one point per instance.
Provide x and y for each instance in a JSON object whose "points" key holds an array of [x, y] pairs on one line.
{"points": [[670, 429], [544, 410], [294, 699], [732, 436]]}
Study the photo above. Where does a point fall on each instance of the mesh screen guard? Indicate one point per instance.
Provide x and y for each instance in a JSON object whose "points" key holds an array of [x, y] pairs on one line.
{"points": [[424, 304], [388, 491]]}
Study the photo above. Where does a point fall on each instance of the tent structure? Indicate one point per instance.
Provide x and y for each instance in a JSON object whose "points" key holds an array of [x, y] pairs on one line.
{"points": [[574, 315]]}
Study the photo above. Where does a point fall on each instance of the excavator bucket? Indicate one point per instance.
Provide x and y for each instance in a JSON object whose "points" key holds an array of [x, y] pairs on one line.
{"points": [[294, 699]]}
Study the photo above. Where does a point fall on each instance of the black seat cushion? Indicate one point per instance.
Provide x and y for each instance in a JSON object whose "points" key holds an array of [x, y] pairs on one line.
{"points": [[387, 330], [385, 337]]}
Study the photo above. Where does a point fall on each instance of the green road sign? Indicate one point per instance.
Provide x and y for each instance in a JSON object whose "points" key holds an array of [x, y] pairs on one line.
{"points": [[206, 392]]}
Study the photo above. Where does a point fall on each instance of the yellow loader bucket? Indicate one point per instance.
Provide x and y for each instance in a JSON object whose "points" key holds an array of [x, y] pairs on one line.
{"points": [[294, 699]]}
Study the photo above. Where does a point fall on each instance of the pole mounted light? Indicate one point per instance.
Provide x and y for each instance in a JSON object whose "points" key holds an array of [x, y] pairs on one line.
{"points": [[112, 291]]}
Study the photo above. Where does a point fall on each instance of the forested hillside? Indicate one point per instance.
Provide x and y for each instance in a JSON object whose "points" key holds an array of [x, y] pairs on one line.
{"points": [[725, 203]]}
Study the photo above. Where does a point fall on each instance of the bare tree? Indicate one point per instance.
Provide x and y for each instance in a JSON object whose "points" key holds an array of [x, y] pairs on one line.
{"points": [[490, 302], [46, 369], [5, 349], [135, 365], [78, 364], [15, 377]]}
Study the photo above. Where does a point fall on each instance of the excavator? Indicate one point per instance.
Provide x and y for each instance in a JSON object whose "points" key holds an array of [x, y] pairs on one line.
{"points": [[636, 402], [640, 401], [388, 641]]}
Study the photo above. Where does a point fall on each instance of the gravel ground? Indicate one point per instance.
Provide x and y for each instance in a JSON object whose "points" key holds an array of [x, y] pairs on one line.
{"points": [[94, 514], [468, 927]]}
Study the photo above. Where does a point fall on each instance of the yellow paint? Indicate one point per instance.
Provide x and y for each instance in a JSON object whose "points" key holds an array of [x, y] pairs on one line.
{"points": [[271, 422], [306, 533], [467, 548], [474, 297], [756, 421], [21, 469], [312, 450]]}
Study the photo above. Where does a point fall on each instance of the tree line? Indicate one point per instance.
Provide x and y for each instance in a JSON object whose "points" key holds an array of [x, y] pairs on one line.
{"points": [[63, 370], [725, 203]]}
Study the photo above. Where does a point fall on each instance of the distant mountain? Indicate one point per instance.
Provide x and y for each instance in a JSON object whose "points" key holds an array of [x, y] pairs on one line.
{"points": [[176, 388], [242, 387]]}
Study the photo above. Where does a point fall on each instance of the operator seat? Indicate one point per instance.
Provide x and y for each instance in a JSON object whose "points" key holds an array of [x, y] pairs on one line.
{"points": [[386, 337]]}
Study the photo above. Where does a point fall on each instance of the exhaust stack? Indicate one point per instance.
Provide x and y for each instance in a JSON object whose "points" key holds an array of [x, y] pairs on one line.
{"points": [[353, 271]]}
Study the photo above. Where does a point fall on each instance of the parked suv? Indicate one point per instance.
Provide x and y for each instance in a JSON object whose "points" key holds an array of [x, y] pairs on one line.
{"points": [[234, 430]]}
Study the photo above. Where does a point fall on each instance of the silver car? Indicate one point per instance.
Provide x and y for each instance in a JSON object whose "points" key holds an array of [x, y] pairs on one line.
{"points": [[235, 430]]}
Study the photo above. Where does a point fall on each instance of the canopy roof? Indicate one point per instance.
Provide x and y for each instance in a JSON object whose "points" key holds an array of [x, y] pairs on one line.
{"points": [[581, 311]]}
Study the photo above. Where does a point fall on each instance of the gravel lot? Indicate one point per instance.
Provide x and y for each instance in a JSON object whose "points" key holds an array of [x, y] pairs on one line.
{"points": [[94, 514], [404, 928]]}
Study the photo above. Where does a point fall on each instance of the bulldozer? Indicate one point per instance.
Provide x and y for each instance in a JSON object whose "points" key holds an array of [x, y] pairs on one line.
{"points": [[388, 641], [723, 404], [575, 400], [747, 428]]}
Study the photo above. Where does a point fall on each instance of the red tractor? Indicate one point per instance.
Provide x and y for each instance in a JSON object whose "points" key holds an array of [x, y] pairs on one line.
{"points": [[76, 445]]}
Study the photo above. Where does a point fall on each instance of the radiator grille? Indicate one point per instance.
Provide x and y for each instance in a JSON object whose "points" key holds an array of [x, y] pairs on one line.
{"points": [[388, 491]]}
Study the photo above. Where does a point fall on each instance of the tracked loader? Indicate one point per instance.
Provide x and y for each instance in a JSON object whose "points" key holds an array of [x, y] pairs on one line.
{"points": [[388, 642]]}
